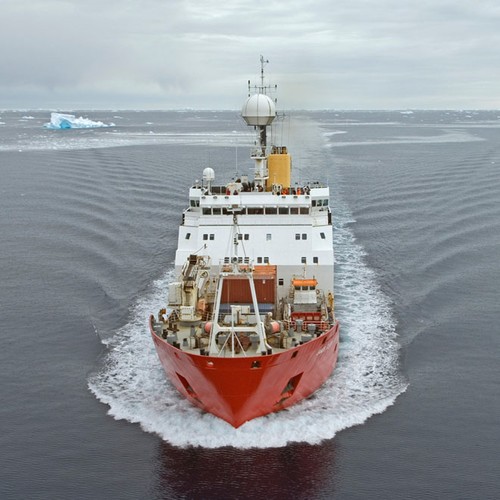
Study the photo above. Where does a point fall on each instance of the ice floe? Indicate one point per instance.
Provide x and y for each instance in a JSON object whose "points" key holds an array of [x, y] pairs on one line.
{"points": [[64, 121]]}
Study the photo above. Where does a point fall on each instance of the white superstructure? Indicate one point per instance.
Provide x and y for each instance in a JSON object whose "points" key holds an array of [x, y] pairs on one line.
{"points": [[280, 224]]}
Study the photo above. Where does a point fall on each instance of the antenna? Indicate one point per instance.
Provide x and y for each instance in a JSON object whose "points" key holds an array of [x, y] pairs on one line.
{"points": [[262, 62], [262, 89]]}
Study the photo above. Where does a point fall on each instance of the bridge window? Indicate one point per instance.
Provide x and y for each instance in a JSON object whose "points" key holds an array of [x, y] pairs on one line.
{"points": [[255, 211]]}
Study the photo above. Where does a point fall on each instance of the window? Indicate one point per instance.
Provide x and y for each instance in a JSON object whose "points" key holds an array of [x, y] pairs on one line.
{"points": [[205, 236], [294, 210], [283, 210], [246, 236], [255, 211], [281, 282], [259, 260], [315, 260], [268, 237], [207, 211], [188, 235], [304, 260], [216, 211], [212, 236], [304, 236], [297, 236], [240, 237], [271, 210], [266, 260], [304, 211], [323, 236]]}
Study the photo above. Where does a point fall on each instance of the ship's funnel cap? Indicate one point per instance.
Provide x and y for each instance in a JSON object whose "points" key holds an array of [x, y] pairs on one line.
{"points": [[259, 109]]}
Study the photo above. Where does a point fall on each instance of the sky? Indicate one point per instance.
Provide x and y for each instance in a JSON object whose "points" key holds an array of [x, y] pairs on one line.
{"points": [[178, 54]]}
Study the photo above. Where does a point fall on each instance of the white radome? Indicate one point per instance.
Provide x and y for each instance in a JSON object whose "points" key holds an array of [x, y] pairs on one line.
{"points": [[208, 174], [259, 110]]}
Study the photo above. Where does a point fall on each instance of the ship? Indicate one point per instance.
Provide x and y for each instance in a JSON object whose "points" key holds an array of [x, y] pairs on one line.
{"points": [[249, 327]]}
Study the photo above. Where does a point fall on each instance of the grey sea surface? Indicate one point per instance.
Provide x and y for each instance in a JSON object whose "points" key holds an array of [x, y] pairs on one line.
{"points": [[88, 232]]}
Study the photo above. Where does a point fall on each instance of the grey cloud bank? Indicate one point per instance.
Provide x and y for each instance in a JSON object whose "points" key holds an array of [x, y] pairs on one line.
{"points": [[348, 54]]}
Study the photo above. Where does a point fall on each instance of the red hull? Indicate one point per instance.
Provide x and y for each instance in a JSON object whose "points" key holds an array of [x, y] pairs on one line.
{"points": [[242, 388]]}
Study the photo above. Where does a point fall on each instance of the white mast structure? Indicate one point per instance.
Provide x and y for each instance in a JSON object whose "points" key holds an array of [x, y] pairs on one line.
{"points": [[259, 111]]}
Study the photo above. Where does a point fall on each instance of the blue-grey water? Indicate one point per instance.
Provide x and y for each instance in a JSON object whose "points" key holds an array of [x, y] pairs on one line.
{"points": [[88, 228]]}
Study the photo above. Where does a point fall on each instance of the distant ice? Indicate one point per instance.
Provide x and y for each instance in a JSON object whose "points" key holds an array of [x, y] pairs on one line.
{"points": [[60, 121]]}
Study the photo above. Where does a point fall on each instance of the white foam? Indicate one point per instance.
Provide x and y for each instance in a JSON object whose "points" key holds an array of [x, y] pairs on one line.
{"points": [[334, 132], [365, 383], [449, 136]]}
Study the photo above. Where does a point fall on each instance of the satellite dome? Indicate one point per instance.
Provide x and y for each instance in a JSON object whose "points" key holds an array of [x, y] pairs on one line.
{"points": [[259, 109], [208, 174]]}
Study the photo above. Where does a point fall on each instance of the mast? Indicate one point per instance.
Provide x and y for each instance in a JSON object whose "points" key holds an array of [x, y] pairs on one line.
{"points": [[232, 340], [259, 111]]}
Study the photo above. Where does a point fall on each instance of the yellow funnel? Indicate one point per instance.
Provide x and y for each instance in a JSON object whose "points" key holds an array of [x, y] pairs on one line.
{"points": [[279, 166]]}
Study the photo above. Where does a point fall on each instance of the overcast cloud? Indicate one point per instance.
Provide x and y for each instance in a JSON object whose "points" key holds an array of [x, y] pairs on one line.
{"points": [[168, 54]]}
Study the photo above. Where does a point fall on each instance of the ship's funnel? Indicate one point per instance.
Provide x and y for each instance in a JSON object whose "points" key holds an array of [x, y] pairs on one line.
{"points": [[258, 110]]}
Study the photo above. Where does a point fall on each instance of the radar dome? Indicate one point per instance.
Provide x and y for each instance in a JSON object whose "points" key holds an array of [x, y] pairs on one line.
{"points": [[259, 109], [208, 174]]}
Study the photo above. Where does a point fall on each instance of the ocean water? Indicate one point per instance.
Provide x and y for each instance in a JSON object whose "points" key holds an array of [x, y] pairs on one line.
{"points": [[88, 224]]}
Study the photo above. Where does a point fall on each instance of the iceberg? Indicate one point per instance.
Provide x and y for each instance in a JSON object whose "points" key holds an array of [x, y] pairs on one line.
{"points": [[60, 121]]}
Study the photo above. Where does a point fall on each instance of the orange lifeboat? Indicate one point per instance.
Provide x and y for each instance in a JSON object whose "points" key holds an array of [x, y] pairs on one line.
{"points": [[304, 282]]}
